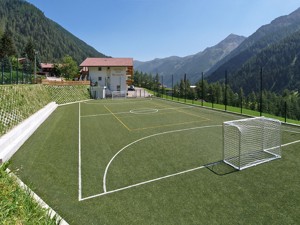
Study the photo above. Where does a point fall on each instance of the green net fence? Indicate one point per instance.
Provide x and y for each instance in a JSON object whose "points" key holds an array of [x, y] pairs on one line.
{"points": [[18, 102]]}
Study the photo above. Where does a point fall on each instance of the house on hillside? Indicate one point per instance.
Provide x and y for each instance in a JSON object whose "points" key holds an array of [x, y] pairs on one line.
{"points": [[108, 75], [46, 69]]}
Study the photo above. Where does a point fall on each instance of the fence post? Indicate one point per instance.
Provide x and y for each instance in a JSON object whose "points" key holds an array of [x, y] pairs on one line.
{"points": [[241, 105], [185, 87], [202, 97], [172, 87], [225, 90], [285, 111], [2, 71], [261, 92], [17, 70], [10, 62]]}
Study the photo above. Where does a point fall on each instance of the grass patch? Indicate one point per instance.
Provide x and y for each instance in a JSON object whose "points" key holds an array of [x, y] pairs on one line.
{"points": [[17, 206], [238, 110]]}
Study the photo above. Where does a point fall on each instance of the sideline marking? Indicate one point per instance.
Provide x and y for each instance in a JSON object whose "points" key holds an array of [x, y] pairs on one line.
{"points": [[141, 183], [117, 118], [294, 142], [79, 155], [141, 139]]}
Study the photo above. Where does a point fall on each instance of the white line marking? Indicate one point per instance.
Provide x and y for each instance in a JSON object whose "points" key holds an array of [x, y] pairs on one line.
{"points": [[153, 135], [109, 114], [130, 101], [292, 131], [141, 183], [294, 142], [105, 114], [143, 111], [70, 103], [79, 155]]}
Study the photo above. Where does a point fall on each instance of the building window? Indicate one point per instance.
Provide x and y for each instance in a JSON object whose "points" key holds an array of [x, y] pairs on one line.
{"points": [[99, 68], [99, 78], [118, 87]]}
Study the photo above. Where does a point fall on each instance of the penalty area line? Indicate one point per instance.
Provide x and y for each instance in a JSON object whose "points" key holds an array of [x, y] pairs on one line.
{"points": [[142, 183]]}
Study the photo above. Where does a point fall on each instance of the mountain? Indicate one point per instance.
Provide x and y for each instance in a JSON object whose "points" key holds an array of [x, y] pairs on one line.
{"points": [[192, 65], [280, 63], [261, 50], [50, 39]]}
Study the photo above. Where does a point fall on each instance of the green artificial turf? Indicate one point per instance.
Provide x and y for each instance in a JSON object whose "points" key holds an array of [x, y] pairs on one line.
{"points": [[66, 159]]}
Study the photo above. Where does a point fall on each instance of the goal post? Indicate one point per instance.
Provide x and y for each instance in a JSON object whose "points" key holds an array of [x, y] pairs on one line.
{"points": [[249, 142], [118, 95]]}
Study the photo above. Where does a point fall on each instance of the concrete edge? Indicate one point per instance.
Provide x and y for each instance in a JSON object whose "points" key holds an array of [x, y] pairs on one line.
{"points": [[52, 214], [15, 138]]}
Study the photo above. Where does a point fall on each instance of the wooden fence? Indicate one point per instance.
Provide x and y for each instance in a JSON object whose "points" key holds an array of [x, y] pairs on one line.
{"points": [[64, 83]]}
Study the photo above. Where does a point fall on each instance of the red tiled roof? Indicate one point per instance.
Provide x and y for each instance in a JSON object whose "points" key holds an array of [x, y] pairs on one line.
{"points": [[91, 62]]}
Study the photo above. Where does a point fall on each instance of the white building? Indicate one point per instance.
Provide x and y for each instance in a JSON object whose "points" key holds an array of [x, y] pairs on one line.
{"points": [[108, 75]]}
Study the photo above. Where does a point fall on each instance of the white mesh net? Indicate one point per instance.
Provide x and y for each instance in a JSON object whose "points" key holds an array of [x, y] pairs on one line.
{"points": [[249, 142], [118, 95]]}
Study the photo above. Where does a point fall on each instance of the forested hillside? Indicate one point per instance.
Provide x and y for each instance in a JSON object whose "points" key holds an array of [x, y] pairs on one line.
{"points": [[272, 47], [280, 65], [26, 22]]}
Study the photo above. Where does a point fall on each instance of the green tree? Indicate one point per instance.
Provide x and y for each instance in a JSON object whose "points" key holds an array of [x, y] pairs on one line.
{"points": [[29, 50], [57, 69], [241, 97], [7, 46], [200, 91], [69, 68], [252, 99]]}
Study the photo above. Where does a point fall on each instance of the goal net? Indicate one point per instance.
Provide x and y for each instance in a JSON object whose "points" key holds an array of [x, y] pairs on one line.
{"points": [[249, 142], [118, 95]]}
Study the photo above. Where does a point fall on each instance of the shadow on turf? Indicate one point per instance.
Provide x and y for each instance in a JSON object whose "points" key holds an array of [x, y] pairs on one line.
{"points": [[220, 168]]}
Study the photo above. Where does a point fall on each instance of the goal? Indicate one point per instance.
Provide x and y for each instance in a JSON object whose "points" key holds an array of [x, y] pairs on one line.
{"points": [[118, 95], [249, 142]]}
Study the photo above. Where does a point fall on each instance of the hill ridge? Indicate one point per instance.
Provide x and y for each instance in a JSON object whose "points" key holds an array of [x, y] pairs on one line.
{"points": [[51, 40]]}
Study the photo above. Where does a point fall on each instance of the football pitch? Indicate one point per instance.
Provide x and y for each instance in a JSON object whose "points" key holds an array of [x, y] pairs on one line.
{"points": [[153, 161]]}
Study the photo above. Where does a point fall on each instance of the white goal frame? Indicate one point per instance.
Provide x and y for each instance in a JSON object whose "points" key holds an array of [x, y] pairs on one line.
{"points": [[252, 141], [118, 95]]}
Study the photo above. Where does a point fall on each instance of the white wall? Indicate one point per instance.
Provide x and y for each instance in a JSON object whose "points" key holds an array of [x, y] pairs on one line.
{"points": [[111, 77], [14, 139]]}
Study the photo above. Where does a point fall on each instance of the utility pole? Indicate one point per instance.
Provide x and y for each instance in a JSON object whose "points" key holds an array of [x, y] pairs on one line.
{"points": [[35, 53], [225, 90], [261, 91], [185, 87], [202, 97]]}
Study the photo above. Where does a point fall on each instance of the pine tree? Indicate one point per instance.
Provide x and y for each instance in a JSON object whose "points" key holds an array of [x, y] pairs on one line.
{"points": [[29, 50], [7, 46]]}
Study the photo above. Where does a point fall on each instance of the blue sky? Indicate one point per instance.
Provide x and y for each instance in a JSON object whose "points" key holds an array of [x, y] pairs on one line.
{"points": [[148, 29]]}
